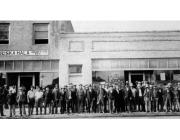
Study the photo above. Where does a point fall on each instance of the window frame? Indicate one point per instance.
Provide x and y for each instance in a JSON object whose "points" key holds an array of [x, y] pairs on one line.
{"points": [[34, 34], [8, 33], [72, 74]]}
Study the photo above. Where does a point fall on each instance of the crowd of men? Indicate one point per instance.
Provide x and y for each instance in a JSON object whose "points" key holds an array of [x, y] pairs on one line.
{"points": [[102, 98]]}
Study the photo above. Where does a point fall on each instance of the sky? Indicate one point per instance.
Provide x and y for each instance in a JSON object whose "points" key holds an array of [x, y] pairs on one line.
{"points": [[115, 26]]}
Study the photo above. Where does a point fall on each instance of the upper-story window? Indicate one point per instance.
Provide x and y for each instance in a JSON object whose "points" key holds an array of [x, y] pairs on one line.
{"points": [[75, 69], [41, 33], [4, 33]]}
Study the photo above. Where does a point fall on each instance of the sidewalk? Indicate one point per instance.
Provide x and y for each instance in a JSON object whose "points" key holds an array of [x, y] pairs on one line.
{"points": [[96, 115]]}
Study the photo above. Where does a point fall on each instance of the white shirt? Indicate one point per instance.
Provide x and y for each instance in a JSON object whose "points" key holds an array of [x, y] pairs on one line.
{"points": [[140, 92], [38, 95]]}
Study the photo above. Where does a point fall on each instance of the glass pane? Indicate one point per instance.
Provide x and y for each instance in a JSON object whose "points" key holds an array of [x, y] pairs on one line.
{"points": [[46, 65], [27, 65], [1, 65], [134, 63], [153, 63], [75, 69], [18, 65], [37, 65], [41, 35], [4, 26], [172, 63], [55, 65], [41, 27], [4, 35], [162, 63], [9, 65]]}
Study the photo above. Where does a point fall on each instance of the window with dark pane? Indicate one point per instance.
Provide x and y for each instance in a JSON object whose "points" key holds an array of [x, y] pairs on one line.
{"points": [[75, 69], [9, 65], [41, 33], [4, 33], [2, 65]]}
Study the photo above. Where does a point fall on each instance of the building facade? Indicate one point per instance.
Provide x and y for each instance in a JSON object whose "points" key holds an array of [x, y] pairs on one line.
{"points": [[48, 52], [119, 56], [29, 52]]}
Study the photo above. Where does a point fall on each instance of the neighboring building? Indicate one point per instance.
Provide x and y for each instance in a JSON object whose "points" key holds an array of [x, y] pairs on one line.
{"points": [[29, 52], [127, 56]]}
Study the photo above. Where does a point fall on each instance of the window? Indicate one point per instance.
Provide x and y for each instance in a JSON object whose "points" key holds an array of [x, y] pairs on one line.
{"points": [[41, 33], [75, 69], [4, 33]]}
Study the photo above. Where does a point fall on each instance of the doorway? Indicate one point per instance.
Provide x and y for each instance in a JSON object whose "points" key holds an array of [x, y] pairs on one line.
{"points": [[136, 77], [26, 80]]}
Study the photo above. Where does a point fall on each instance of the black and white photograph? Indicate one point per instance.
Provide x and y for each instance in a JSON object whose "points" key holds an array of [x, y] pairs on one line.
{"points": [[99, 69], [50, 71]]}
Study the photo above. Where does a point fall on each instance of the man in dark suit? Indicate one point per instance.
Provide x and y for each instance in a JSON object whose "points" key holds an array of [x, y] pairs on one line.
{"points": [[55, 98], [63, 100], [111, 99], [21, 99], [93, 99], [80, 98], [117, 99], [128, 98], [47, 100], [74, 98], [100, 99], [69, 98], [140, 97], [88, 91], [2, 99]]}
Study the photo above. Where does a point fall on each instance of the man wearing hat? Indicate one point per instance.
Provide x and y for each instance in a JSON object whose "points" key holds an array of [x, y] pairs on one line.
{"points": [[93, 99], [133, 98], [38, 99], [55, 98], [100, 99], [167, 103], [154, 101], [11, 100], [140, 97], [48, 100], [2, 98], [63, 100], [21, 99], [147, 98], [31, 100], [74, 98], [69, 98], [80, 98], [128, 98]]}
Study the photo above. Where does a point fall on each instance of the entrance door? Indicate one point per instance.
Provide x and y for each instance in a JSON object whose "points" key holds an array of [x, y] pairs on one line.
{"points": [[136, 77], [26, 81]]}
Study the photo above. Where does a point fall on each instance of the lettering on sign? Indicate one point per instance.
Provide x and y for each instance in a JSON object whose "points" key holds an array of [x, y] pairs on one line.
{"points": [[30, 52]]}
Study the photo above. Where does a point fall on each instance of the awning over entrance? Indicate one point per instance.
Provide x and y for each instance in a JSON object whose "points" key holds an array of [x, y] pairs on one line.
{"points": [[136, 64]]}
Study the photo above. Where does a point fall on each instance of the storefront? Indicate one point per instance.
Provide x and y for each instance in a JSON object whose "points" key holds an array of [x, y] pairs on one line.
{"points": [[122, 56], [30, 72]]}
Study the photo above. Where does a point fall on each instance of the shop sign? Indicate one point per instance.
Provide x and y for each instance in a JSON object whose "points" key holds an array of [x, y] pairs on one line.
{"points": [[24, 52]]}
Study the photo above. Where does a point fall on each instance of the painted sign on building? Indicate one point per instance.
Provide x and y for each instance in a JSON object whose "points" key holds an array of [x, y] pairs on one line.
{"points": [[23, 52]]}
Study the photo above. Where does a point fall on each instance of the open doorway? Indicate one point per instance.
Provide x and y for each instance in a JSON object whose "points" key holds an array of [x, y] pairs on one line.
{"points": [[136, 77], [26, 81]]}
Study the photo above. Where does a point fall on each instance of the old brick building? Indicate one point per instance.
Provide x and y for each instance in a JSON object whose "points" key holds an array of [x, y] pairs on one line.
{"points": [[29, 51]]}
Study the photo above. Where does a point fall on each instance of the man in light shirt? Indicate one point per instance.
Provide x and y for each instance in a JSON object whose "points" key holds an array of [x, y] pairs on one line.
{"points": [[38, 100], [31, 100], [140, 97]]}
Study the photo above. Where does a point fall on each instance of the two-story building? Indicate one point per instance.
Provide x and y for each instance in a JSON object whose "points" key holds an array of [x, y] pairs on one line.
{"points": [[114, 56], [29, 52]]}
